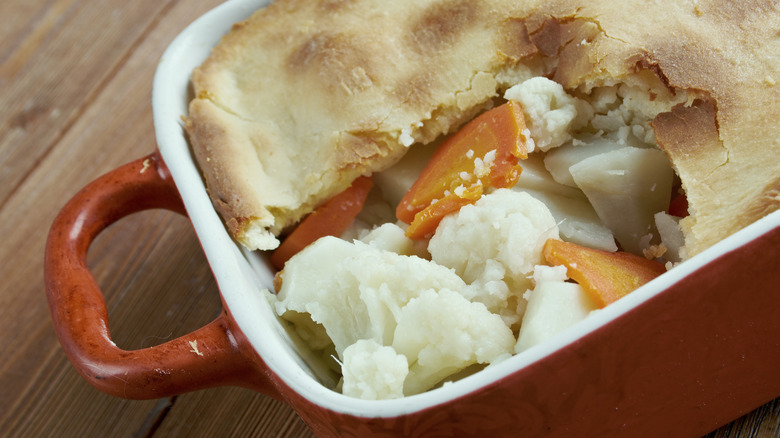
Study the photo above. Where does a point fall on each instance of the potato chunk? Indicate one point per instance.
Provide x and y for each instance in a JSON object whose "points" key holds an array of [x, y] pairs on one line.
{"points": [[626, 188]]}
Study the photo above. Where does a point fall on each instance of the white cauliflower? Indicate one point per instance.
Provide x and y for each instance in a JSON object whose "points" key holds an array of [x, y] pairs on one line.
{"points": [[375, 305], [549, 110], [391, 237], [494, 245], [355, 291], [373, 372], [443, 333]]}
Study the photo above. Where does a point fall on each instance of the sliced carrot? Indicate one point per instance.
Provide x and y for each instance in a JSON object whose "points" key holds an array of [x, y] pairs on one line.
{"points": [[496, 139], [330, 219], [679, 206], [605, 276], [426, 221]]}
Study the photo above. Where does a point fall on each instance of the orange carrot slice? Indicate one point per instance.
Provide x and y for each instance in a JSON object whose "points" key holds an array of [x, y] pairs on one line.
{"points": [[605, 276], [485, 150], [330, 219], [679, 206], [426, 221]]}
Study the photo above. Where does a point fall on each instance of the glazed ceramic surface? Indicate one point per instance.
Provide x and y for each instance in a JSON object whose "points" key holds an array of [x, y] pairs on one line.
{"points": [[682, 355]]}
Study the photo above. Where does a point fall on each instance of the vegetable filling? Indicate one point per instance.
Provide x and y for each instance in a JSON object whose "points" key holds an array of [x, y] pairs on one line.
{"points": [[479, 246]]}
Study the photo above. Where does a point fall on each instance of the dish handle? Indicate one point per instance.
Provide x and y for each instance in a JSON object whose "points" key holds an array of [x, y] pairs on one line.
{"points": [[214, 355]]}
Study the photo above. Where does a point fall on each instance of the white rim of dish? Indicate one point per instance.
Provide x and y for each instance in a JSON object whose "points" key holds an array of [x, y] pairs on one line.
{"points": [[242, 275]]}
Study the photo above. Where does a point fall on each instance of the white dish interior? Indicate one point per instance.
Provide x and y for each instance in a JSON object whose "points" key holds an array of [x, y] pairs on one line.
{"points": [[242, 275]]}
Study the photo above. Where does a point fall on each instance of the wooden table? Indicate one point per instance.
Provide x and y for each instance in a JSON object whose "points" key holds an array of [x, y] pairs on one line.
{"points": [[75, 102]]}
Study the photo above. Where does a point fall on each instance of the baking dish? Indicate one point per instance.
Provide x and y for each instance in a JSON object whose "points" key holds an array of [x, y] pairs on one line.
{"points": [[684, 354]]}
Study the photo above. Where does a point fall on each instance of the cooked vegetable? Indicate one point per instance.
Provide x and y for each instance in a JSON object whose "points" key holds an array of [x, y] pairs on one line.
{"points": [[559, 160], [577, 221], [606, 276], [627, 187], [679, 206], [373, 371], [442, 333], [355, 290], [330, 219], [483, 153], [550, 110], [553, 306], [389, 305], [493, 245], [402, 309], [672, 239], [426, 221]]}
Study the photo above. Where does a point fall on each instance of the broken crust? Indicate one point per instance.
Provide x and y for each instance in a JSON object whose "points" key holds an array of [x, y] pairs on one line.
{"points": [[213, 134], [726, 189], [305, 96], [284, 119]]}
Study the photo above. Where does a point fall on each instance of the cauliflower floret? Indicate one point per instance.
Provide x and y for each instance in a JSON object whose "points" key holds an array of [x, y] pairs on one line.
{"points": [[391, 237], [442, 333], [373, 372], [354, 290], [549, 110], [494, 245], [366, 299]]}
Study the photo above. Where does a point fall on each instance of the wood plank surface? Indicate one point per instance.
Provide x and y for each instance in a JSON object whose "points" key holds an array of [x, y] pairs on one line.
{"points": [[75, 99]]}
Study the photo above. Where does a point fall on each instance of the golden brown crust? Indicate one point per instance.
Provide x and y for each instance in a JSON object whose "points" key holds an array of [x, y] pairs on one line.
{"points": [[306, 95], [315, 94]]}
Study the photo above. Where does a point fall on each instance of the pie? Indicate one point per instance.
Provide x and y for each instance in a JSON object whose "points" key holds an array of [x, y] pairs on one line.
{"points": [[305, 96]]}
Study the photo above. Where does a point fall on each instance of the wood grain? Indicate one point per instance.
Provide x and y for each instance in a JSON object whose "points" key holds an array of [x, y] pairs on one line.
{"points": [[75, 93]]}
